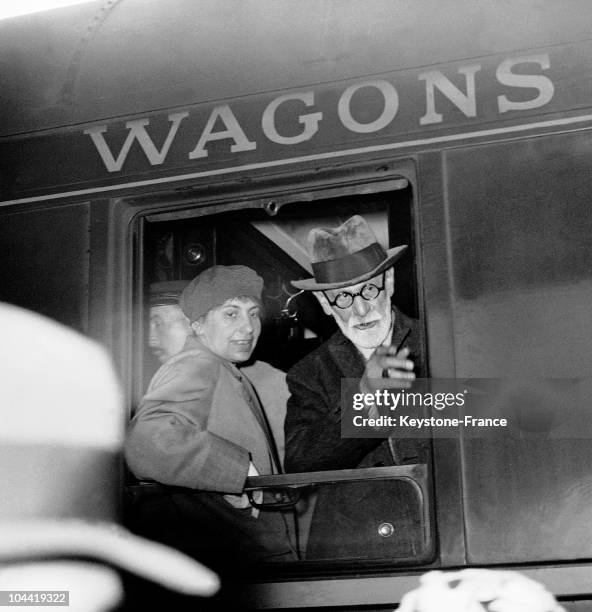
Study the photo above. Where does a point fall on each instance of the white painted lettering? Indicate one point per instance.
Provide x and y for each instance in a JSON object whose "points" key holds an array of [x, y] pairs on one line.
{"points": [[137, 130], [233, 130], [310, 121], [466, 102], [389, 112], [543, 84]]}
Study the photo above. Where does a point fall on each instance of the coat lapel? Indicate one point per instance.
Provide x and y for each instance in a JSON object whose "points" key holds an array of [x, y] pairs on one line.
{"points": [[232, 419]]}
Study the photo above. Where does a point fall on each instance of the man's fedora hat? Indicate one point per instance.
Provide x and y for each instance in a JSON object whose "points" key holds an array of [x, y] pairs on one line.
{"points": [[346, 255]]}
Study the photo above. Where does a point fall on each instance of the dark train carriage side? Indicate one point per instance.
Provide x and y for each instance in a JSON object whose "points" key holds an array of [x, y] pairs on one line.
{"points": [[144, 141]]}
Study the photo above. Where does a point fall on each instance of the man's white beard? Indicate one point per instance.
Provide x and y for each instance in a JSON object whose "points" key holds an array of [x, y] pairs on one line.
{"points": [[369, 338]]}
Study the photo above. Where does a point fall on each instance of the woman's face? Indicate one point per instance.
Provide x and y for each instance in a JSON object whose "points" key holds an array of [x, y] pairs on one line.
{"points": [[231, 330]]}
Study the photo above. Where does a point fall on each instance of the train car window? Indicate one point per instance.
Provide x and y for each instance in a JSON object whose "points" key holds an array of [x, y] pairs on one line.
{"points": [[393, 520], [276, 248]]}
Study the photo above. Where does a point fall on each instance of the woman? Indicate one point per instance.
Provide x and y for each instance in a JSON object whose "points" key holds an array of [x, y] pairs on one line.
{"points": [[201, 426]]}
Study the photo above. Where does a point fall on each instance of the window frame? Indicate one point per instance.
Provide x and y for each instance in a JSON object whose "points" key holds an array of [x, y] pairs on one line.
{"points": [[385, 178]]}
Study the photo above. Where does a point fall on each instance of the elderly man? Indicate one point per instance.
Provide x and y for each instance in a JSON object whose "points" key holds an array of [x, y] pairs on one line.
{"points": [[354, 283], [201, 426]]}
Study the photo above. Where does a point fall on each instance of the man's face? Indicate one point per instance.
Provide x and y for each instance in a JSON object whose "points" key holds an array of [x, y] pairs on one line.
{"points": [[366, 322], [169, 329], [232, 329]]}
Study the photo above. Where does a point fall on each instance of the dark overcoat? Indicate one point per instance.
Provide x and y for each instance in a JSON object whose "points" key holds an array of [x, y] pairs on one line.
{"points": [[347, 517]]}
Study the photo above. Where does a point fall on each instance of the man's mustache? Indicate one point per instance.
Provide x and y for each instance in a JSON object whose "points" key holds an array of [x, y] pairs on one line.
{"points": [[371, 317]]}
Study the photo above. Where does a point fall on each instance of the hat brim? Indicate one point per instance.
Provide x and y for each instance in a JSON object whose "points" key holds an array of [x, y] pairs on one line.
{"points": [[310, 284], [109, 543]]}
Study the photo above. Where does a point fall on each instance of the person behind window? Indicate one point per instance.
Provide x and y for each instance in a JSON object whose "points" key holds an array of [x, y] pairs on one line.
{"points": [[201, 426], [354, 283], [169, 330], [169, 327]]}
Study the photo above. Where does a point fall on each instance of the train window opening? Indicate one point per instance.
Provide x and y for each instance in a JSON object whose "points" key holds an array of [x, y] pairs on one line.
{"points": [[275, 247], [397, 531]]}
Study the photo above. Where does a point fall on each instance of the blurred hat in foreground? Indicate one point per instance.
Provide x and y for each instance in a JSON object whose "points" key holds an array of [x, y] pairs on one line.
{"points": [[62, 429], [478, 590]]}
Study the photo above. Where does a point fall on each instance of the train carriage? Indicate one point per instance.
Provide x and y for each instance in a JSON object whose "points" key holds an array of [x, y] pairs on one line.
{"points": [[143, 141]]}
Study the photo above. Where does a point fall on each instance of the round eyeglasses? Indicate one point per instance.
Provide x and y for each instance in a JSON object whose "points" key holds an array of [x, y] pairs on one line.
{"points": [[345, 299]]}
